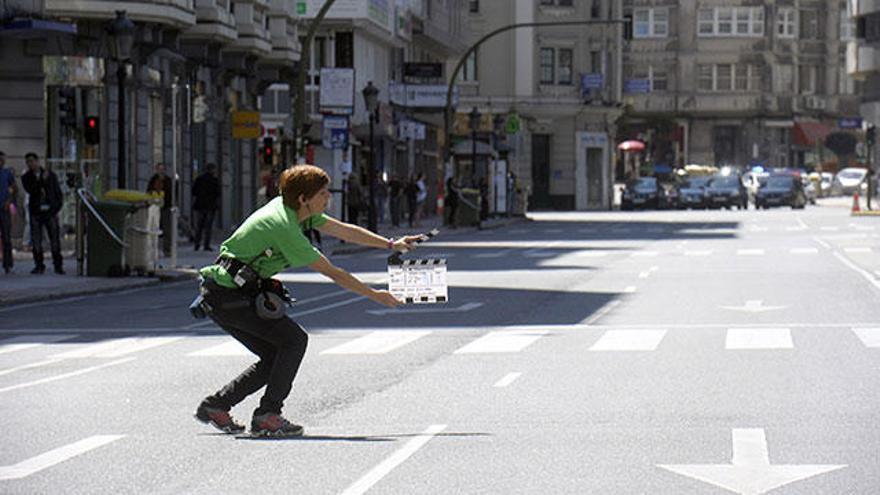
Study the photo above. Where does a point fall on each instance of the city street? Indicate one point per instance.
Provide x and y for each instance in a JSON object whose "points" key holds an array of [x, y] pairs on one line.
{"points": [[657, 352]]}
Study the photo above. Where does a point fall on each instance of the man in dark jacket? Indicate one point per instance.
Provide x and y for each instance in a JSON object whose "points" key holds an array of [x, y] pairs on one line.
{"points": [[206, 199], [7, 199], [44, 204]]}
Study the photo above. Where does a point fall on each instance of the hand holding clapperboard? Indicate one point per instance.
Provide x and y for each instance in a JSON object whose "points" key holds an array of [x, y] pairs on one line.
{"points": [[418, 281]]}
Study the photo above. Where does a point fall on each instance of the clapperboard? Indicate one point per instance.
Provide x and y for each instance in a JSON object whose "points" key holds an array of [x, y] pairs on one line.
{"points": [[418, 281]]}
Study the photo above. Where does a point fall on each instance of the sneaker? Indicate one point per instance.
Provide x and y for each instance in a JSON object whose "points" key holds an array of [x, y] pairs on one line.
{"points": [[218, 418], [274, 425]]}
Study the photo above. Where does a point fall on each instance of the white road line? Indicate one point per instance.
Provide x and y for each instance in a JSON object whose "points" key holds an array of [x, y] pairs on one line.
{"points": [[322, 296], [822, 243], [329, 306], [377, 473], [118, 347], [605, 309], [232, 348], [64, 375], [28, 341], [869, 336], [29, 366], [494, 254], [801, 222], [804, 251], [758, 338], [749, 252], [507, 380], [630, 289], [858, 270], [647, 273], [698, 252], [856, 250], [591, 254], [646, 254], [629, 340], [831, 229], [379, 342], [46, 460], [502, 341]]}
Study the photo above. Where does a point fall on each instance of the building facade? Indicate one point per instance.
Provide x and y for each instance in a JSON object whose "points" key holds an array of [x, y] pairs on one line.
{"points": [[551, 94], [737, 83], [863, 64]]}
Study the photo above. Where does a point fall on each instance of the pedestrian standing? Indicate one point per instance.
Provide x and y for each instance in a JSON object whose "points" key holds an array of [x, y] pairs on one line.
{"points": [[395, 191], [411, 191], [421, 196], [355, 199], [237, 288], [451, 201], [161, 183], [381, 199], [206, 200], [45, 201], [8, 193]]}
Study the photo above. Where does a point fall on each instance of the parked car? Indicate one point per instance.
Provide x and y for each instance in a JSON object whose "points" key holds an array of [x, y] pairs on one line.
{"points": [[781, 190], [726, 191], [849, 180], [640, 193], [692, 192]]}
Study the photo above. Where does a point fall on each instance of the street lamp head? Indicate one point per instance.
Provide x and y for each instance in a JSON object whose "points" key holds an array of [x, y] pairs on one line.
{"points": [[371, 97], [474, 118], [122, 32]]}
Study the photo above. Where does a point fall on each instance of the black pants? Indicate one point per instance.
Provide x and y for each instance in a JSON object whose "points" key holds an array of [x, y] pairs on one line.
{"points": [[50, 223], [204, 223], [6, 235], [280, 344]]}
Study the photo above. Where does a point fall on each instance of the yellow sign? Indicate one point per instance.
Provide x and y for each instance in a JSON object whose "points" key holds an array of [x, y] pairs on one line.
{"points": [[245, 125]]}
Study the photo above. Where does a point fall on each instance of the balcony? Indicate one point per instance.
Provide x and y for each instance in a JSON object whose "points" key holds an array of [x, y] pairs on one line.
{"points": [[174, 13], [283, 32], [250, 21], [214, 22], [726, 103], [654, 102], [861, 60]]}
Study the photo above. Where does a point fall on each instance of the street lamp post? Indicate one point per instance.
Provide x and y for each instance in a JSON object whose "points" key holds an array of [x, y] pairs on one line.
{"points": [[371, 100], [475, 124], [122, 32]]}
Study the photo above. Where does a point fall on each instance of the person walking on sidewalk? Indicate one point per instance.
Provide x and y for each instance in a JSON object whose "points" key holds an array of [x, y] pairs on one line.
{"points": [[206, 199], [44, 204], [161, 183], [451, 201], [7, 199], [237, 290]]}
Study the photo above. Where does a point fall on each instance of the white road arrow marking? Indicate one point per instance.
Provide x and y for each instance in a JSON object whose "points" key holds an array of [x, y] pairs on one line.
{"points": [[750, 471], [461, 309], [30, 466], [754, 306]]}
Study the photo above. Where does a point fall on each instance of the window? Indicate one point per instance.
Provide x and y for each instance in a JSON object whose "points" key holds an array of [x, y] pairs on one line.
{"points": [[658, 80], [474, 6], [596, 62], [786, 23], [847, 24], [557, 3], [810, 25], [705, 77], [810, 79], [548, 75], [565, 66], [723, 77], [728, 77], [731, 21], [650, 23], [469, 71]]}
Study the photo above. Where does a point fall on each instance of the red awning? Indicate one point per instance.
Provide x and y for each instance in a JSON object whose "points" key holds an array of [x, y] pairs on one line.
{"points": [[809, 133]]}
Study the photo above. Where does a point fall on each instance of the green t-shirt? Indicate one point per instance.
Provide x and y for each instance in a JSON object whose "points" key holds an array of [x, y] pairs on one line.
{"points": [[269, 240]]}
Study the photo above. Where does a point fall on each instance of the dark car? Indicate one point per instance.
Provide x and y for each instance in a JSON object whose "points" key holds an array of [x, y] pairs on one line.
{"points": [[781, 190], [641, 193], [726, 191], [692, 192]]}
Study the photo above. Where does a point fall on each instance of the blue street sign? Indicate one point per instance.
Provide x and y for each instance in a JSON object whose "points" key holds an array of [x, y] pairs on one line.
{"points": [[590, 82], [637, 86], [850, 123]]}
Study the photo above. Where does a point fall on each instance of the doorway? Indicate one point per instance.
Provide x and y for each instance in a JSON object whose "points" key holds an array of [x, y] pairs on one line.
{"points": [[540, 197], [594, 178]]}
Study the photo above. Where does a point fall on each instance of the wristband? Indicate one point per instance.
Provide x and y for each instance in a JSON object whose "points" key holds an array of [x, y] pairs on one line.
{"points": [[390, 243]]}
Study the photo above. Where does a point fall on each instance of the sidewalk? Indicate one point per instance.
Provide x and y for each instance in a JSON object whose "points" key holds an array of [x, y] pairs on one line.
{"points": [[21, 287]]}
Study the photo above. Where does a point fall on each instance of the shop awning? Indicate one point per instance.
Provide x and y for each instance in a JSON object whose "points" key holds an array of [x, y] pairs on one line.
{"points": [[35, 28], [809, 133]]}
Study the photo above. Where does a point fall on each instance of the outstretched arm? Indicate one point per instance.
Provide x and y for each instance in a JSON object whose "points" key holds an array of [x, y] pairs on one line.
{"points": [[359, 235], [350, 282]]}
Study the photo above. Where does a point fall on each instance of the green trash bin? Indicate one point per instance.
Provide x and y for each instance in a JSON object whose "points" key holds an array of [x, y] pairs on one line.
{"points": [[104, 255], [468, 212]]}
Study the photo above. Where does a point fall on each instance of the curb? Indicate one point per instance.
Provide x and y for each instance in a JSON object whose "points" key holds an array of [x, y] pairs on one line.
{"points": [[869, 213], [76, 292]]}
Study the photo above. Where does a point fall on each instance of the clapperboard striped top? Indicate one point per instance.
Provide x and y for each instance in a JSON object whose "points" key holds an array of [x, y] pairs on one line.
{"points": [[418, 281], [425, 261]]}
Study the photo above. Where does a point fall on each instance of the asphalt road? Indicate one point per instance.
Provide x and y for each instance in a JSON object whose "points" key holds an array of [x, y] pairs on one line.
{"points": [[682, 352]]}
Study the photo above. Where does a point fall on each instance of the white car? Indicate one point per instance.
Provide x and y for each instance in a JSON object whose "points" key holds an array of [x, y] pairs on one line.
{"points": [[850, 179]]}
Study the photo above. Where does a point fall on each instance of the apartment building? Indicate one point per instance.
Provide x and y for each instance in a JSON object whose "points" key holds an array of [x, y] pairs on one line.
{"points": [[863, 60], [192, 65], [554, 90], [737, 82]]}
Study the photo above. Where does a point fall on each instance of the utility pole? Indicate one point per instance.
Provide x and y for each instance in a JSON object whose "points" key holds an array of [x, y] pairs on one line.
{"points": [[299, 104]]}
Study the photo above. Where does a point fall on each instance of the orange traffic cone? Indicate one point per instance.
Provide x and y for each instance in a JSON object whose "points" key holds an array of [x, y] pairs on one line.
{"points": [[855, 206]]}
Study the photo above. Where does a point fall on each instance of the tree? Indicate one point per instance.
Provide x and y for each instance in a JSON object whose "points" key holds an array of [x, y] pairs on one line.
{"points": [[843, 144]]}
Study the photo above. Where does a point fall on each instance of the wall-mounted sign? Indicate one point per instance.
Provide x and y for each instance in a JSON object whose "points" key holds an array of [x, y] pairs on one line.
{"points": [[335, 132], [421, 95], [245, 125], [637, 86], [850, 123], [337, 89], [422, 69]]}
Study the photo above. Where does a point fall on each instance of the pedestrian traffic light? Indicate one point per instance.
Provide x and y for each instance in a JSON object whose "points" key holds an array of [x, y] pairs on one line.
{"points": [[92, 132], [267, 151]]}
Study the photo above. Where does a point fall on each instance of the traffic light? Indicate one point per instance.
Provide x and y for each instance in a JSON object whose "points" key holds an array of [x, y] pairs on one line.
{"points": [[92, 132], [67, 105], [870, 135], [267, 151]]}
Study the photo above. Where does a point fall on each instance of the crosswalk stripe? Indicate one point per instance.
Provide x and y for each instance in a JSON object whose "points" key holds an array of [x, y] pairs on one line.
{"points": [[494, 254], [231, 348], [856, 250], [117, 347], [758, 338], [28, 341], [502, 341], [629, 340], [378, 342], [869, 336]]}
